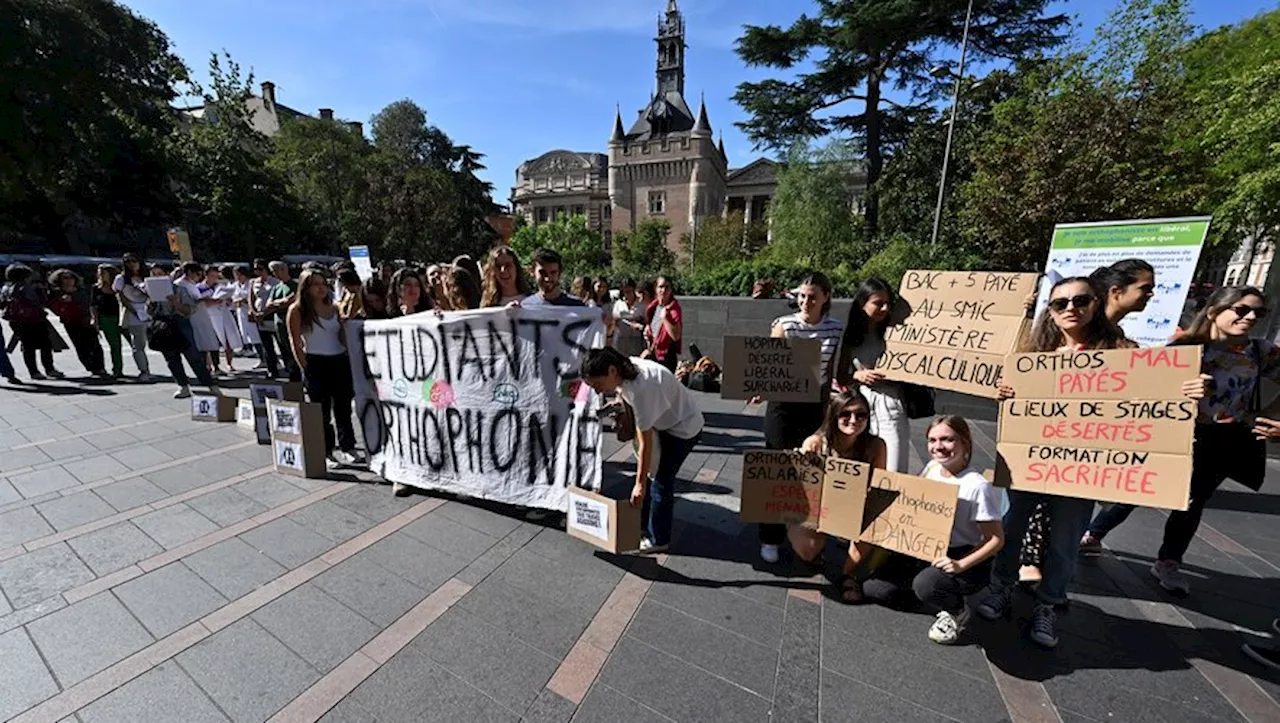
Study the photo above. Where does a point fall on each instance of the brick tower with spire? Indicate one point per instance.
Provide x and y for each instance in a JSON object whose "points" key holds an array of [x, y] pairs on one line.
{"points": [[668, 164]]}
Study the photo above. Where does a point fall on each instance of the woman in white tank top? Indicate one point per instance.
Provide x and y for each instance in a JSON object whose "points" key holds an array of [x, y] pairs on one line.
{"points": [[319, 346]]}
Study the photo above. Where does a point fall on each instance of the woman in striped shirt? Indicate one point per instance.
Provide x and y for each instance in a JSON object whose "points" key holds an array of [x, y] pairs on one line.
{"points": [[787, 424]]}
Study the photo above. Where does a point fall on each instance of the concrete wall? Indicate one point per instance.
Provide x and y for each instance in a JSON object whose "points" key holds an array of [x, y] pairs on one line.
{"points": [[708, 319]]}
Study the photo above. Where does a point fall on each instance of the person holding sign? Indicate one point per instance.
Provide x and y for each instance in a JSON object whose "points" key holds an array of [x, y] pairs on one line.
{"points": [[320, 348], [787, 424], [1229, 438], [1073, 320], [862, 347], [666, 414], [845, 434]]}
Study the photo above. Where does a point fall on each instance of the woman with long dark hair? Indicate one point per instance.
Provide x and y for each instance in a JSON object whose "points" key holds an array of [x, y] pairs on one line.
{"points": [[320, 348], [1125, 287], [787, 424], [408, 293], [1073, 320], [666, 415], [1227, 427], [860, 352], [22, 304]]}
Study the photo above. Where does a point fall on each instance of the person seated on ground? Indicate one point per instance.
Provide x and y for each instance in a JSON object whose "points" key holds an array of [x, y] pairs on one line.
{"points": [[976, 536], [845, 433]]}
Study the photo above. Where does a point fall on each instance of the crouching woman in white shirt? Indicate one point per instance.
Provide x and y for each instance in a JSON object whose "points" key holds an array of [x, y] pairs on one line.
{"points": [[666, 415]]}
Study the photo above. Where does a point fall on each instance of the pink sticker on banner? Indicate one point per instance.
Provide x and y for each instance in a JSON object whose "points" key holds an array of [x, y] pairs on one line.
{"points": [[442, 395]]}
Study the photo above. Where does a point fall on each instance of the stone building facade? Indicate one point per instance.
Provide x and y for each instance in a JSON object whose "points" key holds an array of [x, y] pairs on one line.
{"points": [[667, 164]]}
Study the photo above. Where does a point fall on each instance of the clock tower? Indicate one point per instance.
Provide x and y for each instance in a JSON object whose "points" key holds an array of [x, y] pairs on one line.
{"points": [[671, 51]]}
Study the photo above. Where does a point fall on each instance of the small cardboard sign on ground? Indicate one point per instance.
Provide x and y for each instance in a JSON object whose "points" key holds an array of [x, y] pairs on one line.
{"points": [[1111, 426], [297, 438], [959, 328], [609, 524], [245, 414], [260, 393], [212, 408], [772, 368], [844, 497], [909, 514], [781, 487]]}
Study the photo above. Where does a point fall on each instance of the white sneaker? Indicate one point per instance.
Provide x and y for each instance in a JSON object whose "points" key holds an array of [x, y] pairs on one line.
{"points": [[182, 393], [343, 457], [1171, 577], [769, 553], [648, 548], [946, 629]]}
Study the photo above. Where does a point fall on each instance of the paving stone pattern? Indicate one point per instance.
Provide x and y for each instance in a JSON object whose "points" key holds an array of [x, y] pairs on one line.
{"points": [[129, 533]]}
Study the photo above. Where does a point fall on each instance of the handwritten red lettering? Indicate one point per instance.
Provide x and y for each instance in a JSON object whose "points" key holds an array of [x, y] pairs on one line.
{"points": [[1100, 382], [1131, 479], [1098, 431], [1167, 357]]}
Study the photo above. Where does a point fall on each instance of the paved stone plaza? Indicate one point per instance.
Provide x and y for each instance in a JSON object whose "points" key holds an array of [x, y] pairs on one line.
{"points": [[155, 569]]}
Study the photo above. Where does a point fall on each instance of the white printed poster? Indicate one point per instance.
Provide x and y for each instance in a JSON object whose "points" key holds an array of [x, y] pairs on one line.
{"points": [[1171, 245], [359, 256], [589, 516], [484, 403]]}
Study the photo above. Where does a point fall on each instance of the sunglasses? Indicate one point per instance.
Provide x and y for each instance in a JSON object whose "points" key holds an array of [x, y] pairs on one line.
{"points": [[1243, 310], [1081, 301], [857, 416]]}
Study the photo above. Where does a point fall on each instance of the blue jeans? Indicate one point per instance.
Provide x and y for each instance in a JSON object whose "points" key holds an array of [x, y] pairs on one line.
{"points": [[6, 366], [1109, 518], [1068, 518], [193, 357], [659, 502]]}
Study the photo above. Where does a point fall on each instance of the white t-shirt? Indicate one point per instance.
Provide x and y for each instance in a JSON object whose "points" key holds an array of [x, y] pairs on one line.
{"points": [[828, 331], [977, 501], [660, 401]]}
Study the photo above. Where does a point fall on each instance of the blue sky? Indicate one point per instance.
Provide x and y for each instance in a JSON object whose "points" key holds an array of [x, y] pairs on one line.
{"points": [[512, 78]]}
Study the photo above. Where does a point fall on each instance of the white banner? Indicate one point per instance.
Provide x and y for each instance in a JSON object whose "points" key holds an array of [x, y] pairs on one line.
{"points": [[483, 403]]}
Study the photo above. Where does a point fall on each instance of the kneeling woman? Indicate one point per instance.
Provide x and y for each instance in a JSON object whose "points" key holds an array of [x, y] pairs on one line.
{"points": [[666, 415]]}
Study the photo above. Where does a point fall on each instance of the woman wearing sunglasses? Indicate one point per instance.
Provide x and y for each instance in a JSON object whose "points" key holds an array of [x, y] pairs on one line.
{"points": [[845, 434], [1228, 430], [1072, 321], [786, 424]]}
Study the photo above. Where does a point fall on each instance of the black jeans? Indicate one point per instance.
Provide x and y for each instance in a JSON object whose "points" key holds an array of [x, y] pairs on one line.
{"points": [[84, 339], [935, 587], [286, 351], [329, 383], [34, 337], [786, 426], [1207, 474], [193, 357], [268, 351]]}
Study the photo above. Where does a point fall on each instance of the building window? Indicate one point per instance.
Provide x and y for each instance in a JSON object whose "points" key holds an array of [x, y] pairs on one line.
{"points": [[657, 203], [559, 211], [542, 215], [579, 211]]}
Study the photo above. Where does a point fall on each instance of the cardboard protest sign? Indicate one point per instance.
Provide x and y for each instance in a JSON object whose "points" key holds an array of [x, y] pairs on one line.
{"points": [[609, 524], [212, 408], [297, 438], [844, 497], [483, 403], [772, 368], [1171, 245], [911, 515], [781, 486], [260, 393], [1111, 426], [960, 327]]}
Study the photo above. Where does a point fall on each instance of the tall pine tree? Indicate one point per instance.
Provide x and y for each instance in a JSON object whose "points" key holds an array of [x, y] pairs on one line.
{"points": [[859, 49]]}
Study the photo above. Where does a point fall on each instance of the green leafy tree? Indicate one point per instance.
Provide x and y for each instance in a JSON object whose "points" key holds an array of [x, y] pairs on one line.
{"points": [[84, 124], [644, 249], [812, 213], [580, 247], [1089, 137], [853, 51], [327, 169], [722, 240], [237, 206]]}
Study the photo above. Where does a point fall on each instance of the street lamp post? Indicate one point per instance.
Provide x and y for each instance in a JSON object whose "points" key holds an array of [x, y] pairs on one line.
{"points": [[951, 127]]}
